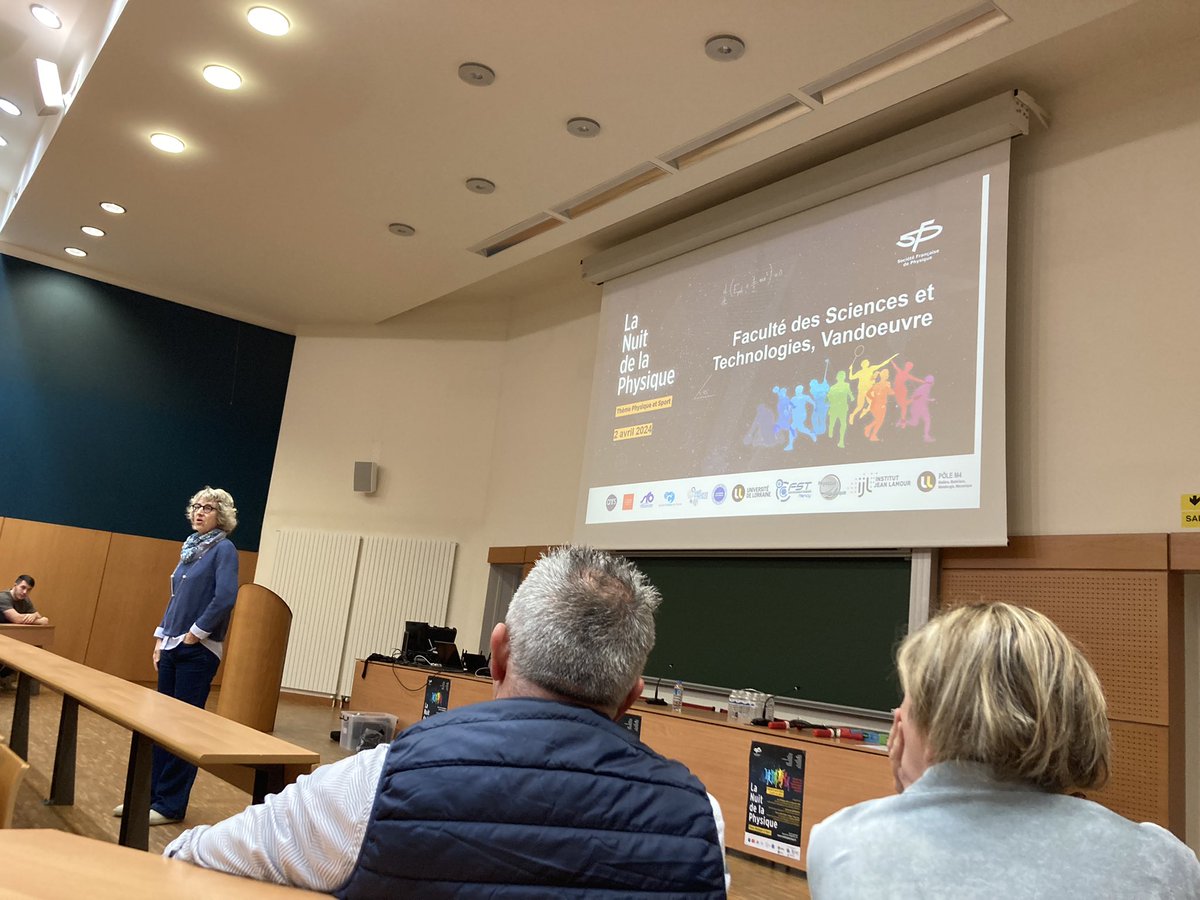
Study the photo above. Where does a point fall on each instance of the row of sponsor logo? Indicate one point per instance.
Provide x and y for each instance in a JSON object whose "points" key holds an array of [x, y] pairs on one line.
{"points": [[829, 487]]}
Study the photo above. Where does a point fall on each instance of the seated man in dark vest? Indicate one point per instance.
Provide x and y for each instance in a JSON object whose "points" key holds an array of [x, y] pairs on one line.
{"points": [[537, 794]]}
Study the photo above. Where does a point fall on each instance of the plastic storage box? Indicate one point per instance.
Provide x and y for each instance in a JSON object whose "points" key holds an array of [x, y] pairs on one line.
{"points": [[364, 730]]}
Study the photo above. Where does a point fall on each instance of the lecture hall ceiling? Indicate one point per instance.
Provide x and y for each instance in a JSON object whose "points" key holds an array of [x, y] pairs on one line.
{"points": [[277, 211]]}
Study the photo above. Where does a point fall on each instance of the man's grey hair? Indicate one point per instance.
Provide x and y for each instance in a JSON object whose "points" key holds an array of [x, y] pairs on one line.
{"points": [[581, 625]]}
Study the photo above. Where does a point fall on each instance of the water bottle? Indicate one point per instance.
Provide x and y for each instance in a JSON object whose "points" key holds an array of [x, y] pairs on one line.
{"points": [[677, 697]]}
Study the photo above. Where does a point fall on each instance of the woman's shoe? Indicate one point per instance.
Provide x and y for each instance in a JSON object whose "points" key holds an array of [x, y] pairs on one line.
{"points": [[119, 810], [157, 818]]}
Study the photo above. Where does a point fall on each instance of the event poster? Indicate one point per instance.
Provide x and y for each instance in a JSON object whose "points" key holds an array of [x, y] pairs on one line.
{"points": [[775, 799], [437, 696]]}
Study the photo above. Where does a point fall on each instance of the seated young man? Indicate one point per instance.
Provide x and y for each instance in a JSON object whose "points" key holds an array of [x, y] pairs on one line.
{"points": [[532, 795], [16, 607]]}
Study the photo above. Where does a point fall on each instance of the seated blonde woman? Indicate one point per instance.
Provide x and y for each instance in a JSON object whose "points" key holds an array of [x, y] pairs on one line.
{"points": [[1002, 720]]}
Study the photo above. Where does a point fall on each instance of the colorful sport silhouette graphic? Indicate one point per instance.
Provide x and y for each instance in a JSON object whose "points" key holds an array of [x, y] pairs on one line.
{"points": [[877, 398], [783, 413], [762, 429], [840, 394], [820, 394], [801, 404], [825, 409], [918, 406], [900, 389], [865, 376]]}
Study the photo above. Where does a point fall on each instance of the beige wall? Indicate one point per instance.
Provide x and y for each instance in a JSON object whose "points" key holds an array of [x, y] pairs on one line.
{"points": [[1103, 310], [425, 410], [480, 440]]}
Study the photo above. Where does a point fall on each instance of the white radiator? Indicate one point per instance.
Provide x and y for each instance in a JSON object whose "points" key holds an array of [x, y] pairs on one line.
{"points": [[399, 580], [350, 596], [314, 574]]}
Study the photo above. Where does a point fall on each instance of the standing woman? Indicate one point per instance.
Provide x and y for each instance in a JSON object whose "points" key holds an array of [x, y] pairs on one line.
{"points": [[189, 640]]}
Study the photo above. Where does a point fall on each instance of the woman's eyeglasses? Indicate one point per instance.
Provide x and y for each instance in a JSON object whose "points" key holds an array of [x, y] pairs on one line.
{"points": [[196, 507]]}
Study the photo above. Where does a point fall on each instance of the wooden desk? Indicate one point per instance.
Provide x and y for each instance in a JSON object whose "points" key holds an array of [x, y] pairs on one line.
{"points": [[62, 866], [837, 773], [202, 738], [38, 635]]}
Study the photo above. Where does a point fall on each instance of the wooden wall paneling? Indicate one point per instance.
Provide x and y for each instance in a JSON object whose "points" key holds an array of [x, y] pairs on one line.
{"points": [[1119, 619], [505, 556], [1113, 595], [68, 564], [1137, 750], [133, 596], [1177, 707], [1184, 551], [1066, 551]]}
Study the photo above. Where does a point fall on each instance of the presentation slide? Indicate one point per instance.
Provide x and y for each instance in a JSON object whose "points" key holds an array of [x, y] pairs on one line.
{"points": [[818, 373]]}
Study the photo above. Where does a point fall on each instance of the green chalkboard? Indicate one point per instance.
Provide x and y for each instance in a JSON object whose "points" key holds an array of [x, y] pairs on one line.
{"points": [[823, 630]]}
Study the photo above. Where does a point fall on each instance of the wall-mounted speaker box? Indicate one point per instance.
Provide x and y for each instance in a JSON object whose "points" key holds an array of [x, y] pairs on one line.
{"points": [[366, 477]]}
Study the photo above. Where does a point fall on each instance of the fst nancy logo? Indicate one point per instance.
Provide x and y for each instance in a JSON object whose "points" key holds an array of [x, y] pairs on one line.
{"points": [[913, 239]]}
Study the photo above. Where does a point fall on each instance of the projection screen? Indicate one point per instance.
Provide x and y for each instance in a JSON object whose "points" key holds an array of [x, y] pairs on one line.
{"points": [[834, 379]]}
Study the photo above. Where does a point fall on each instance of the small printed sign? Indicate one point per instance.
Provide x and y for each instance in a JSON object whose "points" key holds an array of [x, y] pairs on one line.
{"points": [[1190, 504], [437, 696], [775, 799]]}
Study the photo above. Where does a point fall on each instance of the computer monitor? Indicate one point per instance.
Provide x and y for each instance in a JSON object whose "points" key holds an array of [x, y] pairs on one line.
{"points": [[447, 655], [416, 640], [421, 638]]}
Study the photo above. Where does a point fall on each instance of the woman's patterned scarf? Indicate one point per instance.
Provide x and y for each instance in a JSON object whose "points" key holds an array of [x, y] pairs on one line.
{"points": [[197, 545]]}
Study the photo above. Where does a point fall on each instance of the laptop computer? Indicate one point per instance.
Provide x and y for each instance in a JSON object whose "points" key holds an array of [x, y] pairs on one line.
{"points": [[447, 654]]}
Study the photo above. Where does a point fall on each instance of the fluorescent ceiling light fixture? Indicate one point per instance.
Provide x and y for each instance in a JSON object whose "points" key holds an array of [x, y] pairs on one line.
{"points": [[914, 50], [268, 21], [115, 208], [3, 142], [92, 231], [45, 15], [9, 107], [50, 86], [222, 77], [75, 251], [167, 143]]}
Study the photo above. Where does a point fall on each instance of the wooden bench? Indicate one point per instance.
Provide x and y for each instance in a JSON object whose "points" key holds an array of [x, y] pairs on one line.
{"points": [[202, 738]]}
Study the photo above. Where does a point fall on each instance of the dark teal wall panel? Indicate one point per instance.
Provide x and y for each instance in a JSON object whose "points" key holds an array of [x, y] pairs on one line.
{"points": [[115, 406]]}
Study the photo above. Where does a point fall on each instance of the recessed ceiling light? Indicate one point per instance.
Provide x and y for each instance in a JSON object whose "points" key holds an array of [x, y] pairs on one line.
{"points": [[399, 228], [115, 208], [476, 74], [167, 143], [583, 127], [480, 185], [92, 231], [9, 107], [725, 47], [45, 15], [268, 21], [222, 77], [75, 251]]}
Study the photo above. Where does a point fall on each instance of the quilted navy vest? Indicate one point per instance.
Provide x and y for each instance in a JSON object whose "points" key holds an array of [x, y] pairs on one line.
{"points": [[535, 799]]}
